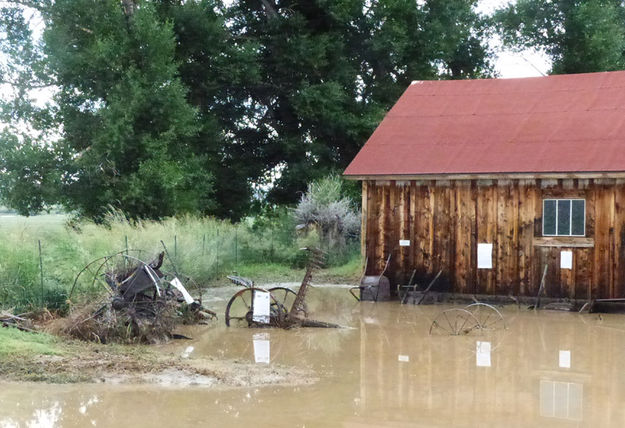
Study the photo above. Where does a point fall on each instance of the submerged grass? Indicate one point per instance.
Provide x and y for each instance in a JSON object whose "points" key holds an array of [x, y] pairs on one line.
{"points": [[205, 249]]}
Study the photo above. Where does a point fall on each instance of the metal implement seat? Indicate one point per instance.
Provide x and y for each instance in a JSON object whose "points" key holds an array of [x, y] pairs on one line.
{"points": [[373, 287]]}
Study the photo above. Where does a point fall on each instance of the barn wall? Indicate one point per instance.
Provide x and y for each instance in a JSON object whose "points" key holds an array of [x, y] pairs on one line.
{"points": [[446, 219]]}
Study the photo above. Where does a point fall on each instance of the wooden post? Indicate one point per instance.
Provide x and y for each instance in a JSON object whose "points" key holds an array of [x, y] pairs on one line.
{"points": [[363, 219], [41, 271]]}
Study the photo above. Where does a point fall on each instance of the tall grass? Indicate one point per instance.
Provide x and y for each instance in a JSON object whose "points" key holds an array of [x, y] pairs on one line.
{"points": [[202, 248]]}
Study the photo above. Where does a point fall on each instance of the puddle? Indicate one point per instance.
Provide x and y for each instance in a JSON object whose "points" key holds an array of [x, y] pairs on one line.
{"points": [[546, 369]]}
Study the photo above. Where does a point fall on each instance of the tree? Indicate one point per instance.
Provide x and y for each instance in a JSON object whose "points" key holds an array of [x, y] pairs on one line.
{"points": [[579, 36], [330, 69], [217, 69], [30, 180], [166, 107], [325, 208]]}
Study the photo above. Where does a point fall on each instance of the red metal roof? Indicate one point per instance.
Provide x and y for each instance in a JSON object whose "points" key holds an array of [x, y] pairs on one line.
{"points": [[555, 124]]}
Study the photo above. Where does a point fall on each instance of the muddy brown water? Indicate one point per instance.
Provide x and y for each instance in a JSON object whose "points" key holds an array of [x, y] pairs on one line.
{"points": [[546, 369]]}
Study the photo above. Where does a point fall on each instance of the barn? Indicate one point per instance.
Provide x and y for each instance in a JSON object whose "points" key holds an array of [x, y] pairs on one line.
{"points": [[491, 180]]}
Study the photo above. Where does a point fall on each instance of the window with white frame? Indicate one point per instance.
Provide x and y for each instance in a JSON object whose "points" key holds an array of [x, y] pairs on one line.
{"points": [[564, 217]]}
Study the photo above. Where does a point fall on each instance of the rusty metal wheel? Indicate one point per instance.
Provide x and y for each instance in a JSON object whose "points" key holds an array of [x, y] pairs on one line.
{"points": [[240, 309], [454, 322], [285, 297], [488, 316]]}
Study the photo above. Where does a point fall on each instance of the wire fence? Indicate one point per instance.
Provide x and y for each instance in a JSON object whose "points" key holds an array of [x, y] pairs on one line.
{"points": [[38, 266]]}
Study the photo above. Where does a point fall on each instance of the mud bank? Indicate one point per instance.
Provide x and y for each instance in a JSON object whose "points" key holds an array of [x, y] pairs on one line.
{"points": [[139, 365]]}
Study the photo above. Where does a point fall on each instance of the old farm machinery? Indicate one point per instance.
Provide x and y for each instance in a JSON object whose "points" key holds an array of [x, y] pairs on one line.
{"points": [[143, 302], [274, 307], [476, 317]]}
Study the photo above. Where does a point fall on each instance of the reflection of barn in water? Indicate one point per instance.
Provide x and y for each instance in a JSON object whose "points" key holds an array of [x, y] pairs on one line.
{"points": [[411, 379], [523, 173]]}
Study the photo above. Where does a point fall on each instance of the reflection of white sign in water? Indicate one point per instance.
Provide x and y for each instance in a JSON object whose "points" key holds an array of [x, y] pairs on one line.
{"points": [[565, 359], [262, 350], [484, 256], [187, 352], [482, 354], [562, 400], [566, 259], [261, 307]]}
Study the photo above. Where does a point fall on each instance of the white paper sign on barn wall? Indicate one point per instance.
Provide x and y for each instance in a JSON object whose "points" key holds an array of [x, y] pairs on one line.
{"points": [[404, 242], [566, 259], [484, 256]]}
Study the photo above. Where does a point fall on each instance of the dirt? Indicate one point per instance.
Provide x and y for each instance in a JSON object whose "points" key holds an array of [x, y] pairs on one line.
{"points": [[135, 365]]}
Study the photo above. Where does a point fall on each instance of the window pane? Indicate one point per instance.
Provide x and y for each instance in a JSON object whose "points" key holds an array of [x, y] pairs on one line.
{"points": [[577, 218], [564, 217], [549, 217]]}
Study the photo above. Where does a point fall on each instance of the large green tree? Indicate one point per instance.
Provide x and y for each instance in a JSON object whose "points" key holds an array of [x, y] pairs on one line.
{"points": [[578, 35], [165, 107], [123, 110], [331, 68], [218, 69]]}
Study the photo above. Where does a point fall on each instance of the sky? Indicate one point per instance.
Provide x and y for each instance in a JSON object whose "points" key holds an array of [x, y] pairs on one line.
{"points": [[509, 64]]}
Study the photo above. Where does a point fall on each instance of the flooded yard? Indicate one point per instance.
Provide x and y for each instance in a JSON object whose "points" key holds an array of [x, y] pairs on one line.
{"points": [[545, 369]]}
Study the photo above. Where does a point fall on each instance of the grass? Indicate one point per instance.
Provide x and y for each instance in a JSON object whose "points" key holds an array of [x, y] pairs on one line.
{"points": [[14, 342], [205, 249], [41, 357]]}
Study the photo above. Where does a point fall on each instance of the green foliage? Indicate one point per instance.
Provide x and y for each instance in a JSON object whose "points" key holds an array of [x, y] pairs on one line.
{"points": [[205, 249], [124, 111], [31, 177], [18, 343], [579, 36], [168, 108], [330, 69], [324, 208]]}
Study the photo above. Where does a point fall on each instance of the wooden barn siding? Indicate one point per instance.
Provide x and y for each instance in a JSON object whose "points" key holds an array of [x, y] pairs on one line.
{"points": [[445, 220]]}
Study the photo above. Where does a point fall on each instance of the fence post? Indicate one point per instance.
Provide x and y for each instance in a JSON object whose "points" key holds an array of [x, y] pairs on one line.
{"points": [[176, 246], [236, 248], [41, 271], [203, 243]]}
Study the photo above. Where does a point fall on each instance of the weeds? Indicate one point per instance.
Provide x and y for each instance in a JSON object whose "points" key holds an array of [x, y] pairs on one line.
{"points": [[205, 249]]}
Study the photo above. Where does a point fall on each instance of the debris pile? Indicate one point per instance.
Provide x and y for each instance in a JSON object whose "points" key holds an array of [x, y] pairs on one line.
{"points": [[143, 305], [21, 322]]}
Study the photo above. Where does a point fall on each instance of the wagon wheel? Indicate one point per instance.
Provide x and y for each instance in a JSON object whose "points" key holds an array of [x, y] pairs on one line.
{"points": [[454, 322], [239, 309], [488, 316], [285, 297]]}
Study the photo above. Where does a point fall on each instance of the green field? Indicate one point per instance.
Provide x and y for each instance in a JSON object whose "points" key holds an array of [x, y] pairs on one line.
{"points": [[205, 249]]}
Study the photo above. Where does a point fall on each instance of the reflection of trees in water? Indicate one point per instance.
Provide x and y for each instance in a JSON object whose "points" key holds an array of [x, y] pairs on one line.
{"points": [[330, 342], [48, 412], [331, 304]]}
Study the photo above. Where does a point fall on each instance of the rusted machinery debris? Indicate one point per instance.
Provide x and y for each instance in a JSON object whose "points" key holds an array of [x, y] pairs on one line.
{"points": [[373, 287], [143, 304], [473, 318], [274, 307]]}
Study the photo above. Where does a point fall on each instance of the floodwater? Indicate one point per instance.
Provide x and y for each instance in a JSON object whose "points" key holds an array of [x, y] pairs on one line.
{"points": [[545, 369]]}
